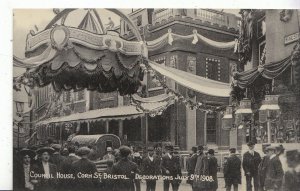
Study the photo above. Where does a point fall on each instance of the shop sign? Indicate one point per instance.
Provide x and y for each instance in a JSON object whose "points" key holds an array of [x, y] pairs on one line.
{"points": [[291, 38]]}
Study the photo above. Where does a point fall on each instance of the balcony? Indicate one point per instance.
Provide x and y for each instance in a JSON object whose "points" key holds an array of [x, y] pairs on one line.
{"points": [[212, 17]]}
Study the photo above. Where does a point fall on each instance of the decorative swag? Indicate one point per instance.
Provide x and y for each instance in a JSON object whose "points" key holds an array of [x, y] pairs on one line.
{"points": [[267, 71]]}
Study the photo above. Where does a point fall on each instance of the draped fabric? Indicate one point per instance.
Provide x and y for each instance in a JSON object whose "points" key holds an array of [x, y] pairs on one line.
{"points": [[78, 68], [194, 82], [268, 71], [169, 37]]}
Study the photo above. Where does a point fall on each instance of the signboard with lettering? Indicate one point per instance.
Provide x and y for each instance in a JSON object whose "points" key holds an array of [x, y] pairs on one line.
{"points": [[291, 38]]}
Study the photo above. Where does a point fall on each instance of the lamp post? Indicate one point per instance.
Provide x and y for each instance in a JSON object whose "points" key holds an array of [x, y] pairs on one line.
{"points": [[244, 114], [20, 109], [270, 104]]}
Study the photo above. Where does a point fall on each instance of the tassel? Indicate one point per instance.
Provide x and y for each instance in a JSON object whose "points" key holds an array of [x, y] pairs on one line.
{"points": [[195, 40], [170, 38]]}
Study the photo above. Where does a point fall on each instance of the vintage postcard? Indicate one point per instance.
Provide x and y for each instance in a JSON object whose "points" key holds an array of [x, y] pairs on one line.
{"points": [[156, 99]]}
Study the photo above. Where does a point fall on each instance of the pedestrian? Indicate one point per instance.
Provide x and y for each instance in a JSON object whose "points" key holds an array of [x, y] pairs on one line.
{"points": [[251, 160], [151, 167], [170, 168], [191, 164], [232, 171], [212, 170], [200, 170], [84, 171], [22, 171], [262, 167], [108, 184], [109, 155], [274, 171], [44, 172], [177, 167], [137, 158], [57, 158], [292, 176], [127, 168], [67, 168]]}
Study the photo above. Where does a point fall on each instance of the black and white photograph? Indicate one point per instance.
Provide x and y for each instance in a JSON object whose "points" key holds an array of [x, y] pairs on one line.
{"points": [[155, 99]]}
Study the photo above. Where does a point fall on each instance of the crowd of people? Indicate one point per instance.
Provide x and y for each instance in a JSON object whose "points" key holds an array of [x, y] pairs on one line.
{"points": [[55, 168]]}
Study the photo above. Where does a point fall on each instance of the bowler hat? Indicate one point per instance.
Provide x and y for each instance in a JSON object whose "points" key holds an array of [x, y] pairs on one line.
{"points": [[211, 151], [250, 143], [124, 151], [232, 150], [194, 149], [200, 147], [28, 152], [45, 149], [83, 151], [57, 147]]}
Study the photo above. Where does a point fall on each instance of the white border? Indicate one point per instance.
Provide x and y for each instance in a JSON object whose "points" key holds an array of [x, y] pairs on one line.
{"points": [[6, 7]]}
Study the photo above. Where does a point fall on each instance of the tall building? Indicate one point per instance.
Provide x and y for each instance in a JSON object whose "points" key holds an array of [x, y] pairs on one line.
{"points": [[189, 127], [269, 55]]}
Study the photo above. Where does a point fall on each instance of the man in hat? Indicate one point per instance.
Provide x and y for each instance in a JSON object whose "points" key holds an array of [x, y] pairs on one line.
{"points": [[22, 170], [84, 171], [170, 168], [67, 168], [251, 160], [263, 166], [232, 171], [201, 163], [125, 167], [191, 164], [109, 155], [57, 158], [274, 171], [212, 170], [151, 166], [44, 172]]}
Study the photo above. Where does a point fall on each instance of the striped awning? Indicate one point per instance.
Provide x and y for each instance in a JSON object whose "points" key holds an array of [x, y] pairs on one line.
{"points": [[116, 113]]}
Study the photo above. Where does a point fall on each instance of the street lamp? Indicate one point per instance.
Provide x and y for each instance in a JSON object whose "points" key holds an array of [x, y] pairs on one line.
{"points": [[267, 111], [244, 115], [20, 109]]}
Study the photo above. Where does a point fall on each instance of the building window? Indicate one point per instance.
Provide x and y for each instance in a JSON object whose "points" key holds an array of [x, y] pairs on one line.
{"points": [[213, 69], [67, 97], [162, 14], [262, 53], [261, 27], [139, 21], [211, 130], [79, 95]]}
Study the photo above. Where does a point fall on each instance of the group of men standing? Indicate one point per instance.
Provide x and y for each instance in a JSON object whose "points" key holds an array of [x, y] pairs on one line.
{"points": [[202, 169], [46, 169]]}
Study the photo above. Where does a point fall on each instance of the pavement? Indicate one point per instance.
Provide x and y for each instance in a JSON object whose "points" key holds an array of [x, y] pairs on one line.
{"points": [[183, 186]]}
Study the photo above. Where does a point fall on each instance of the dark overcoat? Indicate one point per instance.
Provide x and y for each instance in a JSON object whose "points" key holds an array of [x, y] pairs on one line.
{"points": [[128, 168], [251, 162], [151, 167], [274, 174], [232, 170], [88, 168]]}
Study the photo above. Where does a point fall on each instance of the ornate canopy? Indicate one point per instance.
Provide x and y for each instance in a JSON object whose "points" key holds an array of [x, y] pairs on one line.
{"points": [[86, 56]]}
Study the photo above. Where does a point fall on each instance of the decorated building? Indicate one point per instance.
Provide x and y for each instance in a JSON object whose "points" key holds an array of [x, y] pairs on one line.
{"points": [[270, 82], [182, 80], [194, 50]]}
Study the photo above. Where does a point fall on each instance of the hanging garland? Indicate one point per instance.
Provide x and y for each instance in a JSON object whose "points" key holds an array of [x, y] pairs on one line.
{"points": [[177, 97]]}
